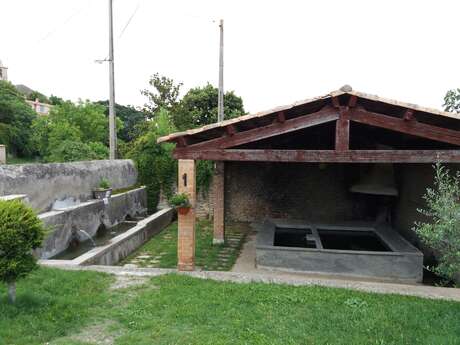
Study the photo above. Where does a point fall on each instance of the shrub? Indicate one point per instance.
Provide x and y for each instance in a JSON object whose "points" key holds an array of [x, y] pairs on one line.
{"points": [[179, 200], [104, 184], [20, 232], [442, 233]]}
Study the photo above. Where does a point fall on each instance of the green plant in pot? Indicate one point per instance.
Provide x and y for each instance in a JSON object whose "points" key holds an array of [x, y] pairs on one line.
{"points": [[104, 190], [180, 202]]}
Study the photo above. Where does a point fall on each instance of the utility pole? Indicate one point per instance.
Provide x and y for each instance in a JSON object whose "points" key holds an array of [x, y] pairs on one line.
{"points": [[112, 130], [220, 99]]}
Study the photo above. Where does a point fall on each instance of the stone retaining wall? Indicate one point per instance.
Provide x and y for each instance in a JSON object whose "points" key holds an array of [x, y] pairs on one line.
{"points": [[44, 184]]}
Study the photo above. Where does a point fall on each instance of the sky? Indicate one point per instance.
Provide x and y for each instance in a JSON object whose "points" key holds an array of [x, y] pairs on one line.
{"points": [[276, 52]]}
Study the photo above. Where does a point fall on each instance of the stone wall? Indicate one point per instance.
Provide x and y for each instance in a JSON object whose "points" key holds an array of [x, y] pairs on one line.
{"points": [[89, 216], [44, 184], [313, 192]]}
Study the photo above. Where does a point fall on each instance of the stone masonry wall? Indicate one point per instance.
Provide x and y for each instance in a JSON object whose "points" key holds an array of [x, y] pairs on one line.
{"points": [[45, 184], [314, 192]]}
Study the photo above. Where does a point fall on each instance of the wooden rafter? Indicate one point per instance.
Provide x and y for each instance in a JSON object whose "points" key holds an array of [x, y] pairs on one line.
{"points": [[410, 126], [327, 114], [326, 156]]}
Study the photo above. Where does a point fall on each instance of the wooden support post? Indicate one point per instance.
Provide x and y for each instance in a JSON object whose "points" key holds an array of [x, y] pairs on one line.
{"points": [[186, 222], [218, 191], [342, 131]]}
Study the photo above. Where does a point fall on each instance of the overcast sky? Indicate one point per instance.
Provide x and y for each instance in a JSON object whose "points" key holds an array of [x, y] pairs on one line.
{"points": [[276, 52]]}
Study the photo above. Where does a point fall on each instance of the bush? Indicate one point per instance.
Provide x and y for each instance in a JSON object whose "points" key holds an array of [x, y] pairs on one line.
{"points": [[20, 232], [442, 233]]}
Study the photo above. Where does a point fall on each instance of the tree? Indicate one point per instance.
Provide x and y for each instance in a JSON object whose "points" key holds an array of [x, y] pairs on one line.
{"points": [[34, 95], [442, 231], [73, 132], [72, 150], [156, 167], [199, 107], [164, 94], [16, 118], [130, 117], [20, 232], [55, 100], [452, 101]]}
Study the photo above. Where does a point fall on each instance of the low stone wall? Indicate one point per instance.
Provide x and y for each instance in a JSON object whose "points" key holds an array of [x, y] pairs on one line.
{"points": [[44, 184], [88, 216], [123, 245]]}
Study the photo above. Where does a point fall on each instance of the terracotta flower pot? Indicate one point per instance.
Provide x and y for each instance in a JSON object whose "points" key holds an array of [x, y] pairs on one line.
{"points": [[183, 210]]}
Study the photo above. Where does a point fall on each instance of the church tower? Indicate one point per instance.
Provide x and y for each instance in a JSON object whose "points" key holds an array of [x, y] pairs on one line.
{"points": [[3, 72]]}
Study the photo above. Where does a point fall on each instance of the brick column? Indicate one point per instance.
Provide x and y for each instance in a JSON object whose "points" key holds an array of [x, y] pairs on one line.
{"points": [[218, 198], [186, 223], [2, 154]]}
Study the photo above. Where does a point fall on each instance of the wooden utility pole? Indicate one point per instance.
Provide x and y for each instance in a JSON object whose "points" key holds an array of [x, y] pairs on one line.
{"points": [[112, 129], [220, 100]]}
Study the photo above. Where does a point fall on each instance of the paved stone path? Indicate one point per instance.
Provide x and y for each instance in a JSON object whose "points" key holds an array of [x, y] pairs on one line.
{"points": [[277, 278]]}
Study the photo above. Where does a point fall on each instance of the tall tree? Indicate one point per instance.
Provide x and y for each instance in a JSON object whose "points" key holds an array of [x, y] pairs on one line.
{"points": [[131, 118], [163, 93], [16, 118], [199, 107]]}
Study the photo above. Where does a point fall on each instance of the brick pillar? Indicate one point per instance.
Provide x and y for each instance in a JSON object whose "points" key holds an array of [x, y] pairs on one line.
{"points": [[2, 154], [218, 197], [186, 223]]}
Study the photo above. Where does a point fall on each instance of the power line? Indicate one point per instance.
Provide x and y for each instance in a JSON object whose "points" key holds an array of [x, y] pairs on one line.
{"points": [[130, 19]]}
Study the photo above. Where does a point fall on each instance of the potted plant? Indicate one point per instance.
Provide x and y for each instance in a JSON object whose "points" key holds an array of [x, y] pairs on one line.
{"points": [[180, 202], [104, 190]]}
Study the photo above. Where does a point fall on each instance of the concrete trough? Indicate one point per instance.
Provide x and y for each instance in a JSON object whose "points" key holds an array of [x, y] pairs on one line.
{"points": [[121, 246], [392, 258]]}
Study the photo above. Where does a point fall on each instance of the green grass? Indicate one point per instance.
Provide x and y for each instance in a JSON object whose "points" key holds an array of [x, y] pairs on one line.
{"points": [[161, 250], [51, 303], [53, 306]]}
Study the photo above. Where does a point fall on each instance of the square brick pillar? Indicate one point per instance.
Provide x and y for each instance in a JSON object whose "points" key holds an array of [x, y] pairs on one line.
{"points": [[218, 196], [186, 223]]}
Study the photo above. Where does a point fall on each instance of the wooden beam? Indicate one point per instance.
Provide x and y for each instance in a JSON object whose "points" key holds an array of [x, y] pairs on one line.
{"points": [[342, 131], [327, 114], [230, 130], [281, 118], [324, 156], [409, 115], [181, 141], [335, 102], [352, 101], [409, 127]]}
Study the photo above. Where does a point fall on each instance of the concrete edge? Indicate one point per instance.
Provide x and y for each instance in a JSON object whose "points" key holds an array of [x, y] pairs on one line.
{"points": [[421, 291]]}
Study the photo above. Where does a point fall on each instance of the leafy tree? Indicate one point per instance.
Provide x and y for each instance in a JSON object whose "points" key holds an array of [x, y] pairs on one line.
{"points": [[199, 107], [16, 118], [73, 132], [55, 100], [70, 151], [88, 117], [452, 101], [20, 232], [164, 94], [130, 117], [442, 232], [34, 95], [156, 167]]}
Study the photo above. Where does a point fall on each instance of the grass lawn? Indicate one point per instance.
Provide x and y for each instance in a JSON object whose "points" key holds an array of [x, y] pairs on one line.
{"points": [[161, 250], [58, 307]]}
